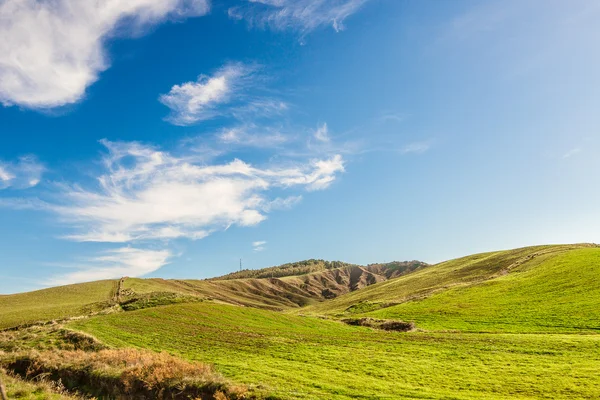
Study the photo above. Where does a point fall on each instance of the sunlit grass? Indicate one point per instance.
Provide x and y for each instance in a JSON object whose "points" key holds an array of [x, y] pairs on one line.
{"points": [[55, 303], [303, 357]]}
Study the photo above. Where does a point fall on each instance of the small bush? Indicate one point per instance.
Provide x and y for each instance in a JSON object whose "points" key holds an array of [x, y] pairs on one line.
{"points": [[400, 326], [386, 325]]}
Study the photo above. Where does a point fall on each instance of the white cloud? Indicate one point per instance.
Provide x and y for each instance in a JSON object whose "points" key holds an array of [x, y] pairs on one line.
{"points": [[5, 176], [23, 174], [416, 147], [322, 133], [51, 51], [259, 245], [225, 93], [113, 264], [299, 15], [150, 194], [191, 102], [322, 175]]}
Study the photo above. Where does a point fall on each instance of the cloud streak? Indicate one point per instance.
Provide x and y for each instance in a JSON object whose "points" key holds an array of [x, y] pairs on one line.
{"points": [[253, 136], [416, 147], [51, 51], [259, 245], [302, 16]]}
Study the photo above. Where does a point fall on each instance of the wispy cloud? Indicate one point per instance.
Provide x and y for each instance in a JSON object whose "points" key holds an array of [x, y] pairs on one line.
{"points": [[572, 152], [303, 16], [322, 133], [416, 147], [148, 194], [259, 245], [260, 108], [51, 51], [23, 174], [282, 203], [225, 93], [191, 102], [393, 117], [112, 264], [253, 136]]}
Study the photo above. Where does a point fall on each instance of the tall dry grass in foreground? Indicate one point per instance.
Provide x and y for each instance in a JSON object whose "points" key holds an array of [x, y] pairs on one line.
{"points": [[127, 374]]}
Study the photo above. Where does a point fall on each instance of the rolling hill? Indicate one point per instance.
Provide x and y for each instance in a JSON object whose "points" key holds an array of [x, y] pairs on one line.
{"points": [[521, 324], [56, 303], [299, 284], [543, 288]]}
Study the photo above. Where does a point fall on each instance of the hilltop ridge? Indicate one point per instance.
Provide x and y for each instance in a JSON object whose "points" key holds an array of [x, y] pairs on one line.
{"points": [[296, 287], [289, 269]]}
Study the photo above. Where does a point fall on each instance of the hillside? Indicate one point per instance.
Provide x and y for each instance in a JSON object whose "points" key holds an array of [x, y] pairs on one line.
{"points": [[296, 290], [292, 291], [522, 324], [389, 270], [544, 288], [289, 269], [56, 303]]}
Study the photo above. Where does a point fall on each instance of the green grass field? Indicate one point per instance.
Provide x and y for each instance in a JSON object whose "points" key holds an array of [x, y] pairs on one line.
{"points": [[309, 358]]}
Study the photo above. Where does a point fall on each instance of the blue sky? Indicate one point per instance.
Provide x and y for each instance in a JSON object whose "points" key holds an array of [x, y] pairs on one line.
{"points": [[171, 138]]}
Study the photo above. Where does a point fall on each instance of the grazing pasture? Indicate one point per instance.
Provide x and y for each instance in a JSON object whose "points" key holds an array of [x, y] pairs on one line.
{"points": [[295, 357]]}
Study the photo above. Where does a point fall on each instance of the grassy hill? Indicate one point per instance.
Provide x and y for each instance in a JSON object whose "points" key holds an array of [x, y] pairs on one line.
{"points": [[559, 292], [56, 303], [544, 288], [300, 284], [292, 291], [521, 324]]}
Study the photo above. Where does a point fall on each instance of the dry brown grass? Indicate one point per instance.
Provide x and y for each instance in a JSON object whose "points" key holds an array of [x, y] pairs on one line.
{"points": [[126, 373]]}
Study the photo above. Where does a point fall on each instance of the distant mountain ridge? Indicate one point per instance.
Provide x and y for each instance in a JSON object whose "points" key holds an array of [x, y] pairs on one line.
{"points": [[389, 270], [289, 269], [298, 289]]}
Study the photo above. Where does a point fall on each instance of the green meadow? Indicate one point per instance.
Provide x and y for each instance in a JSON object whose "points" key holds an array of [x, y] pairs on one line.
{"points": [[297, 357]]}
